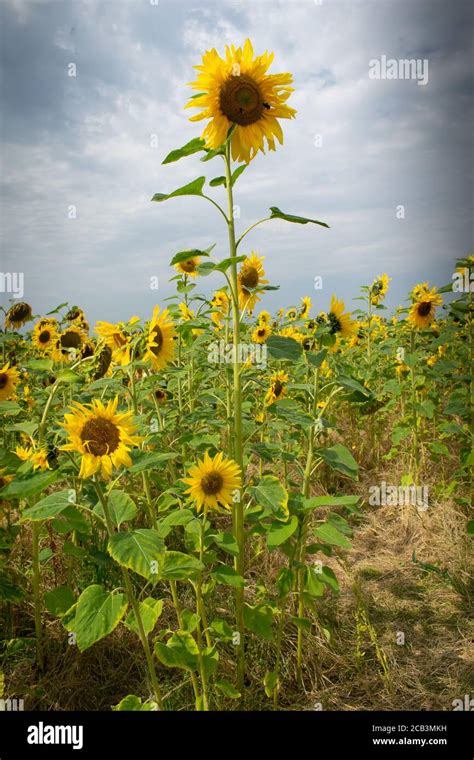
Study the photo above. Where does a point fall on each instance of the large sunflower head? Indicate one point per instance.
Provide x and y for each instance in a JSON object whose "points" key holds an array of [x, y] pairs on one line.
{"points": [[18, 314], [237, 91], [160, 339], [340, 323], [423, 312], [277, 387], [188, 267], [45, 335], [212, 482], [251, 277], [101, 435], [70, 341], [379, 288], [9, 379]]}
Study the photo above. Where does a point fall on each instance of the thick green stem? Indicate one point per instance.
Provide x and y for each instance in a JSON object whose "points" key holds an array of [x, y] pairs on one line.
{"points": [[238, 509], [37, 594], [415, 441]]}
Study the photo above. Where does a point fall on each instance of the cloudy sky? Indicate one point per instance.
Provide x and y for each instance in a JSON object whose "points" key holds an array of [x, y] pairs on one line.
{"points": [[358, 149]]}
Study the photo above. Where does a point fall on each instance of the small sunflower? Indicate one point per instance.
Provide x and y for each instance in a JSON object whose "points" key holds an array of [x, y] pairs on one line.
{"points": [[264, 318], [238, 91], [160, 395], [277, 387], [261, 333], [251, 277], [423, 312], [291, 314], [379, 288], [18, 314], [45, 335], [305, 307], [117, 340], [101, 435], [188, 267], [212, 482], [160, 340], [340, 322], [220, 308], [9, 378], [37, 457]]}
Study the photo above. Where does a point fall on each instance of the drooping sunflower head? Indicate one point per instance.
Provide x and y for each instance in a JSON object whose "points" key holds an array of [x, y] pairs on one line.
{"points": [[188, 267], [277, 387], [340, 323], [251, 278], [102, 361], [160, 339], [74, 313], [45, 335], [379, 288], [261, 333], [18, 314], [9, 378], [237, 91], [102, 435], [213, 481]]}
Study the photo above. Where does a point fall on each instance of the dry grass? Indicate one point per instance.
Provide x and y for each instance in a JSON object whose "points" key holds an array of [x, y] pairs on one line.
{"points": [[378, 578]]}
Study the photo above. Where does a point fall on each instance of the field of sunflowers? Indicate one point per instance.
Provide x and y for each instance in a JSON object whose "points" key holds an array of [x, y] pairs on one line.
{"points": [[215, 507]]}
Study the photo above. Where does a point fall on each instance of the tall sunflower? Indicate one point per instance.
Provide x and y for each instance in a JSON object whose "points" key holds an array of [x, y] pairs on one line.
{"points": [[101, 435], [160, 339], [238, 91], [9, 379], [423, 312], [212, 482], [340, 323], [251, 277]]}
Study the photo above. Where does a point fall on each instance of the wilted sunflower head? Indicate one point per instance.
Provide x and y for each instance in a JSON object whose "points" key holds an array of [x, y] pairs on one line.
{"points": [[18, 314], [213, 481], [250, 278], [102, 435], [237, 91], [102, 361], [160, 339], [9, 378]]}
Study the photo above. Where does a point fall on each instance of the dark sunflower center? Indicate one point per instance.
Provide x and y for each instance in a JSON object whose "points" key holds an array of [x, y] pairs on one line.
{"points": [[70, 339], [261, 332], [100, 436], [212, 483], [335, 325], [277, 388], [157, 339], [249, 278], [160, 395], [424, 308], [241, 100], [87, 351], [44, 336], [188, 266], [3, 380]]}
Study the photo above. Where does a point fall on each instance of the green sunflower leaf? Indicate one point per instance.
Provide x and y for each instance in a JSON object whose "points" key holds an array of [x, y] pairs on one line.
{"points": [[193, 146], [192, 188], [278, 214]]}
